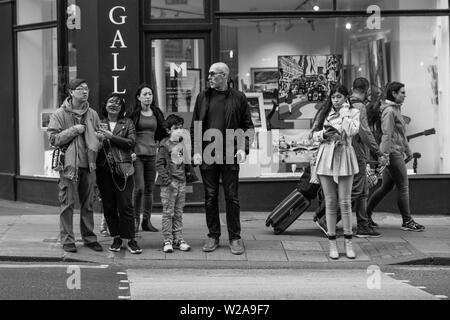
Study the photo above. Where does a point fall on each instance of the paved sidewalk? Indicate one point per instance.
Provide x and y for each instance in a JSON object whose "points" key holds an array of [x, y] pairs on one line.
{"points": [[29, 232]]}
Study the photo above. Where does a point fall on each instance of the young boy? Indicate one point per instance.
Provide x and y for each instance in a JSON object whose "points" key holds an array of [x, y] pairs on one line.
{"points": [[170, 164]]}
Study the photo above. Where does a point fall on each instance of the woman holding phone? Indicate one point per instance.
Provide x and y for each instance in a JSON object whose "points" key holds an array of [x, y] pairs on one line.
{"points": [[148, 120], [336, 123], [118, 135]]}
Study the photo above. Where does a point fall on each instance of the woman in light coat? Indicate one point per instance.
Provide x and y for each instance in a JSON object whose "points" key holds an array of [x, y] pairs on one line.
{"points": [[336, 123]]}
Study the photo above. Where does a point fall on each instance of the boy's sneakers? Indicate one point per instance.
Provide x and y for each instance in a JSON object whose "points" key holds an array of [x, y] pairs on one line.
{"points": [[167, 247], [116, 245], [411, 225], [366, 232], [181, 245], [133, 247]]}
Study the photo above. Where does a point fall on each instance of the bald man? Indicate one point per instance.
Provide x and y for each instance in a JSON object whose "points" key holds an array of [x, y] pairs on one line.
{"points": [[218, 109]]}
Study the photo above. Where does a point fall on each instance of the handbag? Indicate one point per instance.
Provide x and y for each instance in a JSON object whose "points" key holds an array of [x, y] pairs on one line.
{"points": [[119, 167], [372, 175], [58, 157]]}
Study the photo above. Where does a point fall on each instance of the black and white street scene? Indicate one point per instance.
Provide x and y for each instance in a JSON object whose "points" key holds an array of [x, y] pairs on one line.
{"points": [[225, 158]]}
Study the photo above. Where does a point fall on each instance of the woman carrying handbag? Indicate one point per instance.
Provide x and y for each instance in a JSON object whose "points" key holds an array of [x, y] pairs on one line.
{"points": [[115, 173]]}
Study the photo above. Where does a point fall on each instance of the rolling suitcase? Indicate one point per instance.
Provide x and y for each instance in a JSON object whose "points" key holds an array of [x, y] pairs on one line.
{"points": [[287, 211]]}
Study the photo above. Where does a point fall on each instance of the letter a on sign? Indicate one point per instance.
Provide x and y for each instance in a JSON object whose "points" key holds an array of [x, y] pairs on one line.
{"points": [[178, 68]]}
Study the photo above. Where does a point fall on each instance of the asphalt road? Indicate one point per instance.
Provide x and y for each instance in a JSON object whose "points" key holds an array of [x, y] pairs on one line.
{"points": [[61, 281], [432, 279]]}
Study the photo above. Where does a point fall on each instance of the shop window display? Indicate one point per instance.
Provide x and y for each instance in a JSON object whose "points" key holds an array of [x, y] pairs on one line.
{"points": [[35, 11], [412, 50]]}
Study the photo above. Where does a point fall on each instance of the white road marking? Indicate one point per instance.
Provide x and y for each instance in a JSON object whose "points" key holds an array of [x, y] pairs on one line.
{"points": [[404, 281], [421, 287], [17, 266], [124, 288], [440, 296], [124, 297], [121, 273], [389, 273], [124, 281]]}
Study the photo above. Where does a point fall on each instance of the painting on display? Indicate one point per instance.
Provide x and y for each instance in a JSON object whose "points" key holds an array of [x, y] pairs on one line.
{"points": [[294, 149], [256, 104], [265, 80], [304, 81]]}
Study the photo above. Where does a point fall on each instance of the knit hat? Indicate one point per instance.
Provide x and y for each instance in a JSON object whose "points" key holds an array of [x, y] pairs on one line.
{"points": [[74, 83]]}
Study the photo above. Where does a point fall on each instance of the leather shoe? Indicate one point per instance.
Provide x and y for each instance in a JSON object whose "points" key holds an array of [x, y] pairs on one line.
{"points": [[236, 246], [210, 245], [94, 246], [147, 226], [70, 247]]}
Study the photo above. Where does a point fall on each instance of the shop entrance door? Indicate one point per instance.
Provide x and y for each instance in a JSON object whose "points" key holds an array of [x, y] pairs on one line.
{"points": [[177, 69]]}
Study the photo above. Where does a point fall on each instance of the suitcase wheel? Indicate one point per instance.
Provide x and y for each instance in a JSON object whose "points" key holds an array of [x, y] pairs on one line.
{"points": [[277, 231]]}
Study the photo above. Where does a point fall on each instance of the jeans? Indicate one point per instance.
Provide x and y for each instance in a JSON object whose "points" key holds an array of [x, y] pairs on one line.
{"points": [[360, 191], [211, 175], [144, 179], [117, 205], [68, 189], [394, 175], [335, 195], [173, 200]]}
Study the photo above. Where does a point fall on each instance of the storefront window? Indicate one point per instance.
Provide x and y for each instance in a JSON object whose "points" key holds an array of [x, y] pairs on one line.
{"points": [[178, 69], [37, 98], [35, 11], [392, 4], [258, 5], [175, 9], [292, 64]]}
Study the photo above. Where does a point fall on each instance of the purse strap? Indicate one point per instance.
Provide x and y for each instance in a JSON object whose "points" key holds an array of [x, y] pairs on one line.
{"points": [[111, 167]]}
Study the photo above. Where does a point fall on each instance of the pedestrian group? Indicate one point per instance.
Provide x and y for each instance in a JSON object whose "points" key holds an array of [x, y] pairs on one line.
{"points": [[122, 153]]}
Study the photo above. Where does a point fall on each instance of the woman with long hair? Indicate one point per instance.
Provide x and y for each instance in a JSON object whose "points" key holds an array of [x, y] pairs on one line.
{"points": [[335, 125], [395, 143], [148, 120], [116, 190]]}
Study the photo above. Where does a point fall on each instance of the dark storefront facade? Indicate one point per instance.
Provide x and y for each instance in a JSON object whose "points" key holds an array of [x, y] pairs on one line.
{"points": [[277, 51]]}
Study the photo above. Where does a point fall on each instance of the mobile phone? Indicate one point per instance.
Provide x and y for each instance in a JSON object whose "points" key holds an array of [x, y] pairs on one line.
{"points": [[103, 126]]}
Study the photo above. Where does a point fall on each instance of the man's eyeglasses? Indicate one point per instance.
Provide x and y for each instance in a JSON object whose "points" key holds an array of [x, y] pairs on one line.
{"points": [[212, 73], [82, 89]]}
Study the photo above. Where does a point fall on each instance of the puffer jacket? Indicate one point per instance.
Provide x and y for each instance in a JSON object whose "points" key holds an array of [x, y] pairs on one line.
{"points": [[393, 129], [121, 145]]}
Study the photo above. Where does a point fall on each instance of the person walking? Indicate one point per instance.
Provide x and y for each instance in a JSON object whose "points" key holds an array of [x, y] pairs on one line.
{"points": [[72, 128], [118, 136], [217, 110], [363, 143], [395, 144], [171, 163], [336, 163], [148, 120]]}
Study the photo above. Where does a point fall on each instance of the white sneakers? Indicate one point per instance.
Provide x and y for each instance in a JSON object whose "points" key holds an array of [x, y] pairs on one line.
{"points": [[334, 253], [180, 245], [349, 249]]}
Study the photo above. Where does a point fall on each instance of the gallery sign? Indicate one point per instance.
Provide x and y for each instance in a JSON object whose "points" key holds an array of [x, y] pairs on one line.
{"points": [[119, 47]]}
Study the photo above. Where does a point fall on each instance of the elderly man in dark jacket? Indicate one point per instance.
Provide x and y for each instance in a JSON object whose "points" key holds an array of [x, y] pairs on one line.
{"points": [[222, 113]]}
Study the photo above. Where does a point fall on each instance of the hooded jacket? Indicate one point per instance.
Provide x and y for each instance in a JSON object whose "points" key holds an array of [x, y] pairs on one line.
{"points": [[393, 129], [61, 132]]}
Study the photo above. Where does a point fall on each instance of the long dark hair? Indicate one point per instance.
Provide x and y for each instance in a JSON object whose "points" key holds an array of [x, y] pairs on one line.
{"points": [[325, 109], [135, 110], [121, 99]]}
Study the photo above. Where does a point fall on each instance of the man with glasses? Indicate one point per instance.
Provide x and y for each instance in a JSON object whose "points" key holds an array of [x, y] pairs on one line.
{"points": [[217, 110], [72, 128]]}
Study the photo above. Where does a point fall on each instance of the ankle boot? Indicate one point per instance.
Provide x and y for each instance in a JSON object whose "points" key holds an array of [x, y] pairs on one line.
{"points": [[334, 254], [147, 226], [349, 247]]}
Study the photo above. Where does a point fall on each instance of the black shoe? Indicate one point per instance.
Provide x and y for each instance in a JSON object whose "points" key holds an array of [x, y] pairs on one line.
{"points": [[210, 245], [70, 247], [147, 226], [94, 246], [321, 223], [366, 232], [116, 245], [373, 224], [133, 247], [236, 246], [411, 225]]}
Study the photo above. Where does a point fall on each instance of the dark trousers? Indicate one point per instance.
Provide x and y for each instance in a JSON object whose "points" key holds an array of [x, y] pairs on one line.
{"points": [[117, 205], [360, 191], [211, 175], [144, 179], [394, 175]]}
